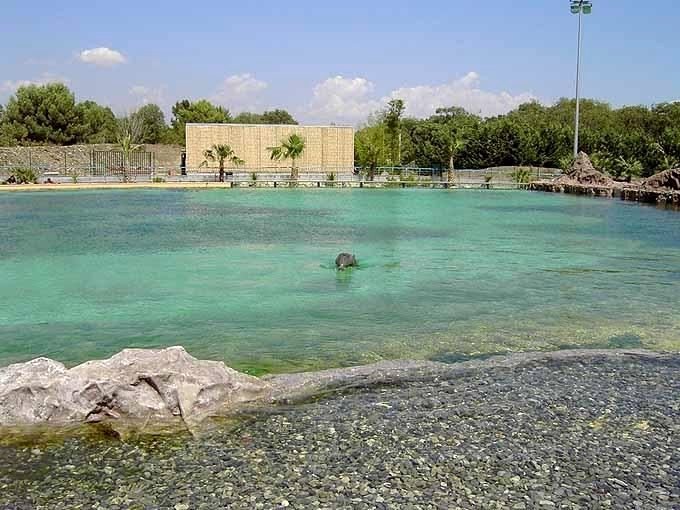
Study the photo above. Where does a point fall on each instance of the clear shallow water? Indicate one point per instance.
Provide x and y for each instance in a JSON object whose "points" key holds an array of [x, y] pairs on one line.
{"points": [[247, 276]]}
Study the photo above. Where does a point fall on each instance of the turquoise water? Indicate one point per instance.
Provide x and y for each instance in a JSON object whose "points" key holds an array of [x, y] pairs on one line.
{"points": [[247, 276]]}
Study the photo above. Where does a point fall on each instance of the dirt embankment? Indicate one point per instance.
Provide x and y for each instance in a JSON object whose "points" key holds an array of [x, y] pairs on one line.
{"points": [[70, 157]]}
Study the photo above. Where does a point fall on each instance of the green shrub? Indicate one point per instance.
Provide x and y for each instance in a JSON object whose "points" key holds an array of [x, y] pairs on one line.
{"points": [[158, 179], [25, 176], [566, 162], [522, 175]]}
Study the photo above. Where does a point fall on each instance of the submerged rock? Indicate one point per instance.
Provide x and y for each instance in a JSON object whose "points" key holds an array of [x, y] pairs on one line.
{"points": [[144, 385]]}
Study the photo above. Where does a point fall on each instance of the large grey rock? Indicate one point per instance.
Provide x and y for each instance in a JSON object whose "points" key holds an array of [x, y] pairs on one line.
{"points": [[135, 385]]}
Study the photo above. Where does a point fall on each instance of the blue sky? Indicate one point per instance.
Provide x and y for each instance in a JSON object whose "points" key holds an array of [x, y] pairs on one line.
{"points": [[337, 63]]}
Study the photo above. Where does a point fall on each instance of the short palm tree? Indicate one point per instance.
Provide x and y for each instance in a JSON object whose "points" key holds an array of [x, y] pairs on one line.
{"points": [[454, 147], [290, 148], [127, 137], [221, 153]]}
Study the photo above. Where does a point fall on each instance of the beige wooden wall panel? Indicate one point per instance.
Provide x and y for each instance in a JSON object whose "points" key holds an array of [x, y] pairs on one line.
{"points": [[327, 147]]}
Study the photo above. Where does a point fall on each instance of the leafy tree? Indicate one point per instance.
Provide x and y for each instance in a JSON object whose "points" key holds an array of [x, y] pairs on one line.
{"points": [[221, 153], [247, 118], [669, 160], [43, 114], [269, 117], [369, 149], [278, 117], [186, 111], [99, 123], [536, 135], [393, 115], [290, 148], [152, 123]]}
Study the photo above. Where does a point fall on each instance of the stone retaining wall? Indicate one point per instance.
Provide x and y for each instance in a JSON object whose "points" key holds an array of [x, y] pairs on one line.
{"points": [[64, 159]]}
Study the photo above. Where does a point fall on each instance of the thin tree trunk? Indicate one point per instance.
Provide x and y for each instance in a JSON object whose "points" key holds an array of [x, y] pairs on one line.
{"points": [[399, 148]]}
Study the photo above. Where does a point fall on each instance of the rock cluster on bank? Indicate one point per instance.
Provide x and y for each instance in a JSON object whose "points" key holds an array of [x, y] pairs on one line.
{"points": [[668, 179], [584, 179]]}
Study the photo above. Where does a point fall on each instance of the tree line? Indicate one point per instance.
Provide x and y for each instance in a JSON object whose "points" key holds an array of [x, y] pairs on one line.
{"points": [[49, 114], [626, 142]]}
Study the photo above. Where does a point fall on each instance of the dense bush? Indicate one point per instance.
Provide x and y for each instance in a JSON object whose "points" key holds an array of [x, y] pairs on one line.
{"points": [[626, 142], [22, 176]]}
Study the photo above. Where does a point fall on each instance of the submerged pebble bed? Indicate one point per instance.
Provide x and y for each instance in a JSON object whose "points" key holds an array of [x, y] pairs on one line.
{"points": [[598, 432]]}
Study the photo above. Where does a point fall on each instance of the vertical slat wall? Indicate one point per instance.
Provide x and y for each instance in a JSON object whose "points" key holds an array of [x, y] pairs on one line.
{"points": [[328, 148]]}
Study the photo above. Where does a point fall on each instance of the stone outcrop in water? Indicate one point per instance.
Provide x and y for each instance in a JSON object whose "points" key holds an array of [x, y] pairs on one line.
{"points": [[583, 172], [667, 180], [136, 385], [581, 179]]}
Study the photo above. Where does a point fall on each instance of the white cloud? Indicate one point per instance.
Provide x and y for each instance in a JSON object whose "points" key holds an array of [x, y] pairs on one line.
{"points": [[240, 91], [423, 100], [146, 95], [10, 86], [102, 57], [340, 99]]}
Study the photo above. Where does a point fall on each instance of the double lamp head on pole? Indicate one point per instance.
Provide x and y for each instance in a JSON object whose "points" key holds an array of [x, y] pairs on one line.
{"points": [[581, 5]]}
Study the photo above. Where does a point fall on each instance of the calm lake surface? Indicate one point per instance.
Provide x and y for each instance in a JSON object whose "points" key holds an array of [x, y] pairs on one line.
{"points": [[247, 276]]}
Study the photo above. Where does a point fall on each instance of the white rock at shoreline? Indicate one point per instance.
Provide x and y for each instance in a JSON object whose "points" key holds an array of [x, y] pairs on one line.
{"points": [[149, 385]]}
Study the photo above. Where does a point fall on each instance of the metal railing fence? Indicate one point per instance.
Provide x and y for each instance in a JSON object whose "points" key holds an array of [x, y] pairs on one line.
{"points": [[146, 171]]}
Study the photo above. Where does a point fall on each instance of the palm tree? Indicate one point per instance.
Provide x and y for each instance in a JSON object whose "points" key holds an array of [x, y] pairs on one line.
{"points": [[127, 137], [290, 148], [221, 153], [454, 147]]}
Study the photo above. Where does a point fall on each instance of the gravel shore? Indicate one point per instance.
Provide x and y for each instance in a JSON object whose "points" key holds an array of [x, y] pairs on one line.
{"points": [[591, 432]]}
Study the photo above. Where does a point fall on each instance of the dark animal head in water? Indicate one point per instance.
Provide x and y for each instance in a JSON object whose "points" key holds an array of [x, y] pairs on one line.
{"points": [[345, 260]]}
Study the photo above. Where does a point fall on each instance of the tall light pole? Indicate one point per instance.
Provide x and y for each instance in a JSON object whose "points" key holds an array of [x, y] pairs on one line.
{"points": [[579, 7]]}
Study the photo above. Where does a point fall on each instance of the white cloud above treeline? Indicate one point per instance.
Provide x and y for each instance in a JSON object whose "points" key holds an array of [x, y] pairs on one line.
{"points": [[102, 57], [10, 86], [350, 100], [340, 99], [240, 92], [145, 94]]}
